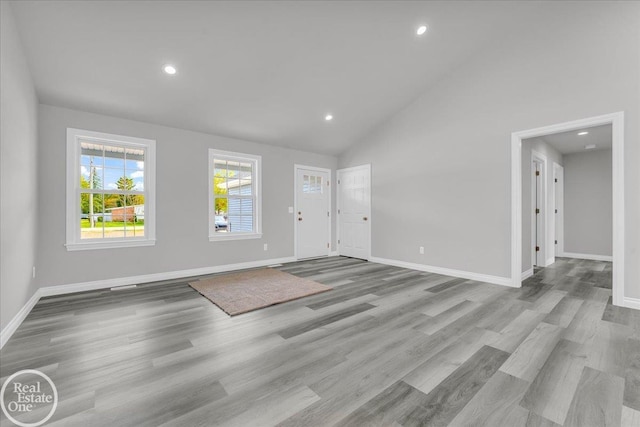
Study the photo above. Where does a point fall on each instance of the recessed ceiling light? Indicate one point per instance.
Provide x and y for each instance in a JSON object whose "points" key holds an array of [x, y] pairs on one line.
{"points": [[583, 133], [590, 147], [328, 117], [421, 30], [169, 69]]}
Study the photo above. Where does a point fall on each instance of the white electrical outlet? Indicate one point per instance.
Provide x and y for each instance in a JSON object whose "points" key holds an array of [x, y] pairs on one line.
{"points": [[33, 272], [266, 247], [421, 250]]}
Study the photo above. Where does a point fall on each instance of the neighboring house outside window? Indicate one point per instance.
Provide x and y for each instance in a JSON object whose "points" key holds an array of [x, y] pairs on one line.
{"points": [[234, 196], [110, 190]]}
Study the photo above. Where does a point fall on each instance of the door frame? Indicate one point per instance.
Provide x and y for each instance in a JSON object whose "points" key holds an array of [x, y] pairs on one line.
{"points": [[558, 204], [366, 167], [296, 168], [616, 120], [537, 157]]}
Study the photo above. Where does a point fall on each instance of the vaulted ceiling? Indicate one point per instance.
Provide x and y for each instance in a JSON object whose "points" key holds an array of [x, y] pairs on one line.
{"points": [[263, 71]]}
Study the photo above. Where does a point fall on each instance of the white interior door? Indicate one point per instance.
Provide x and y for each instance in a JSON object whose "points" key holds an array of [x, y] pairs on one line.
{"points": [[354, 212], [312, 213]]}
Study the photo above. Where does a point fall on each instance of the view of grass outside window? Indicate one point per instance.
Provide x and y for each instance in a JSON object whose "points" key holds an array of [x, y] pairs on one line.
{"points": [[112, 196], [233, 196]]}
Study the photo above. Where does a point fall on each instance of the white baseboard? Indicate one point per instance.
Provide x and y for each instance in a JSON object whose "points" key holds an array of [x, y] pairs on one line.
{"points": [[549, 261], [157, 277], [17, 320], [631, 302], [527, 274], [587, 256], [44, 291], [504, 281], [333, 253]]}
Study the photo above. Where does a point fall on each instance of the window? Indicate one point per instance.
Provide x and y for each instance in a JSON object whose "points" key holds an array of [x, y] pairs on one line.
{"points": [[312, 184], [110, 191], [234, 196]]}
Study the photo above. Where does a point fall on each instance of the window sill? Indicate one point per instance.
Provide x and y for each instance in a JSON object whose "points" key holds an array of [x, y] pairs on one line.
{"points": [[231, 236], [109, 245]]}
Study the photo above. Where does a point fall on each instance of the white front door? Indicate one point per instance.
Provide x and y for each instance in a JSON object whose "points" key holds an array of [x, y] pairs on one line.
{"points": [[312, 212], [354, 211]]}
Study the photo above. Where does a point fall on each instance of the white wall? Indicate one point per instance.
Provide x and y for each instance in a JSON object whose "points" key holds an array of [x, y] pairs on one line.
{"points": [[588, 199], [441, 167], [182, 199], [552, 155], [18, 171]]}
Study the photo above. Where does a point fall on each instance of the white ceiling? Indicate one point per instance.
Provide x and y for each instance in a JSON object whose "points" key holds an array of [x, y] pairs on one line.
{"points": [[571, 142], [262, 71]]}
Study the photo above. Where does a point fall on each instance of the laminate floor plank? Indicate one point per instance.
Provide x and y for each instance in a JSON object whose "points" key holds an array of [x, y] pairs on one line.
{"points": [[515, 332], [623, 316], [504, 313], [552, 390], [533, 293], [444, 402], [425, 282], [252, 405], [417, 297], [564, 312], [397, 358], [582, 328], [344, 392], [632, 375], [284, 371], [67, 409], [432, 325], [272, 412], [387, 407], [486, 292], [387, 346], [535, 420], [432, 372], [630, 417], [527, 360], [317, 323], [495, 404], [547, 302], [367, 286], [158, 407], [597, 401], [607, 351], [446, 285]]}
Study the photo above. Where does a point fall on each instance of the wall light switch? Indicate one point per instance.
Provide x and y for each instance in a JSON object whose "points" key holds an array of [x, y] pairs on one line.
{"points": [[290, 209], [266, 247], [421, 250]]}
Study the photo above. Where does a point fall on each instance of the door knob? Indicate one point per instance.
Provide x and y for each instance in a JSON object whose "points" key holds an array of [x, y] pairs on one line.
{"points": [[365, 218]]}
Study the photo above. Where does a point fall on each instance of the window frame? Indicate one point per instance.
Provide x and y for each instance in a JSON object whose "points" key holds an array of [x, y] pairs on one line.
{"points": [[73, 215], [256, 183]]}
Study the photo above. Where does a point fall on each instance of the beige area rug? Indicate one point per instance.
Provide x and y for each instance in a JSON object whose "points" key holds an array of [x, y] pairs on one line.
{"points": [[238, 293]]}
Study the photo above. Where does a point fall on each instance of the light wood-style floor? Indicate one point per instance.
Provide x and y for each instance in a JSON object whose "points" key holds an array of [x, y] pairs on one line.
{"points": [[388, 346]]}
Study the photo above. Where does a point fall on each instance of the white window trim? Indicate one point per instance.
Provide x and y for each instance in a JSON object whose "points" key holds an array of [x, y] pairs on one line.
{"points": [[74, 243], [257, 187]]}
